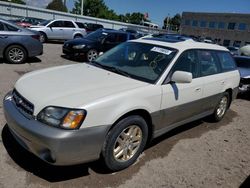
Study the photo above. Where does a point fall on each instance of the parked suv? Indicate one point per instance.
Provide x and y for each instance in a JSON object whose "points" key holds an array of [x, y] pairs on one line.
{"points": [[59, 30], [112, 107], [99, 41], [17, 43]]}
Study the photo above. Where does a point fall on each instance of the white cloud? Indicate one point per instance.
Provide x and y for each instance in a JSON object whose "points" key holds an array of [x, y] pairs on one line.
{"points": [[38, 3]]}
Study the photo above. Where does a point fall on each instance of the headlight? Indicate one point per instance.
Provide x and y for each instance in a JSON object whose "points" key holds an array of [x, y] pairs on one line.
{"points": [[79, 46], [62, 117]]}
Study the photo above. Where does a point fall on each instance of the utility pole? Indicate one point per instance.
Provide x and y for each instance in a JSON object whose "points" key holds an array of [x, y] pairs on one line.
{"points": [[82, 7]]}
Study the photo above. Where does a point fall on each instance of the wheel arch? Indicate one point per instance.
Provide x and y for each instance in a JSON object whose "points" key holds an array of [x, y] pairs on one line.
{"points": [[142, 113], [77, 34], [230, 92]]}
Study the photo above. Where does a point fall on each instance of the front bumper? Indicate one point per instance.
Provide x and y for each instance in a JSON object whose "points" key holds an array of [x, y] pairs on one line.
{"points": [[74, 52], [244, 85], [53, 145]]}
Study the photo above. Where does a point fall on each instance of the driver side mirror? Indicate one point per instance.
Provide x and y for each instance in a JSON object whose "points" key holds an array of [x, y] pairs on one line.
{"points": [[182, 77]]}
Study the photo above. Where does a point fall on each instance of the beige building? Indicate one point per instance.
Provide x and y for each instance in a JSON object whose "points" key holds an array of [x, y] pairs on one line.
{"points": [[228, 29]]}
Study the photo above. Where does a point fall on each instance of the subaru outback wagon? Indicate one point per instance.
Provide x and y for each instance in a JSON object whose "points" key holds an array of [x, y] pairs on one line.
{"points": [[110, 108]]}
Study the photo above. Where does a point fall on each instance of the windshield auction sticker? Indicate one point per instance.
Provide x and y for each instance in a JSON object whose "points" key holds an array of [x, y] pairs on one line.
{"points": [[161, 50]]}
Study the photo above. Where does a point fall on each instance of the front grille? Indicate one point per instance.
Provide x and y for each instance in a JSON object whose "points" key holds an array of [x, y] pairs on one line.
{"points": [[26, 107]]}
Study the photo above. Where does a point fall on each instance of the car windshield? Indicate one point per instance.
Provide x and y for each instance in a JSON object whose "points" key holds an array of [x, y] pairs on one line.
{"points": [[144, 62], [243, 62], [96, 35], [44, 23]]}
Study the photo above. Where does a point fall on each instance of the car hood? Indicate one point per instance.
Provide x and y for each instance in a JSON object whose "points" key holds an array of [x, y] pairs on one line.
{"points": [[80, 41], [244, 72], [72, 86]]}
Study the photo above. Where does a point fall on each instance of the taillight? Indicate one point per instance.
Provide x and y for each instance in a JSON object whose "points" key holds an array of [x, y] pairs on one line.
{"points": [[37, 37]]}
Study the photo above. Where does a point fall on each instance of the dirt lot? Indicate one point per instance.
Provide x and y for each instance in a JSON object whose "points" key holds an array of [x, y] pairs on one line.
{"points": [[199, 154]]}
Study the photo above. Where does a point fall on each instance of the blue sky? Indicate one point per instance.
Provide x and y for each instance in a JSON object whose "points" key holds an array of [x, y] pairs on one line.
{"points": [[159, 9]]}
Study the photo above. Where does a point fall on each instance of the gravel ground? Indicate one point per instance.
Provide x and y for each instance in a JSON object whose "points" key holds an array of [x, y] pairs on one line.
{"points": [[199, 154]]}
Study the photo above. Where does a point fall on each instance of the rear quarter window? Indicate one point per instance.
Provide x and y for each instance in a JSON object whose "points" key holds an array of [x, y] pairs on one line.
{"points": [[226, 60], [80, 25]]}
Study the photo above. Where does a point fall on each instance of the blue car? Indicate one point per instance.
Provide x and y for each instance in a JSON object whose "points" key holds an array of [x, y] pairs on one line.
{"points": [[17, 43], [243, 63]]}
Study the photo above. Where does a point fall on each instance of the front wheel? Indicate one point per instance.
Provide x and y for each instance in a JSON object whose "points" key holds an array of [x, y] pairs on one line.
{"points": [[92, 55], [15, 54], [125, 142], [221, 108]]}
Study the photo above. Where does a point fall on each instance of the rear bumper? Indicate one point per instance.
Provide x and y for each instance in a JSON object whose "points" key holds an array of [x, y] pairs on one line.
{"points": [[36, 49], [53, 145]]}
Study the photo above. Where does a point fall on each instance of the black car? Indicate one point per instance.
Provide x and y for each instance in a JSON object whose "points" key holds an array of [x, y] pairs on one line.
{"points": [[233, 50], [243, 63], [90, 27], [99, 41]]}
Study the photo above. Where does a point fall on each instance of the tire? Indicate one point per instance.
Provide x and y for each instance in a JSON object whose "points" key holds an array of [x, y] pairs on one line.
{"points": [[15, 54], [91, 55], [43, 37], [125, 142], [221, 108], [78, 36]]}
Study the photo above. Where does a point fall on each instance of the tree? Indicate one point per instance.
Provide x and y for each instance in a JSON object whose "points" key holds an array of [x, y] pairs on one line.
{"points": [[173, 23], [97, 8], [57, 5], [15, 1]]}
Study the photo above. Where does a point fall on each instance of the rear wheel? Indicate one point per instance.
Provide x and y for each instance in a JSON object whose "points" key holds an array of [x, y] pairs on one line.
{"points": [[15, 54], [92, 55], [78, 36], [125, 142], [221, 108]]}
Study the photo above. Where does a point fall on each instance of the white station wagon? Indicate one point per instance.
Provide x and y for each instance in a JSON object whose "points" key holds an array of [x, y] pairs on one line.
{"points": [[112, 107]]}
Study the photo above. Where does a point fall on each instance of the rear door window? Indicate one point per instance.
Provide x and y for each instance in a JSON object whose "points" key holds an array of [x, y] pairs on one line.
{"points": [[226, 60], [209, 63], [111, 38], [80, 25], [69, 24]]}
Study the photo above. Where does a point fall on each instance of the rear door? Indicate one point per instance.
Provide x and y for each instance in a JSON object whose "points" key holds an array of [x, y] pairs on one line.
{"points": [[181, 101], [68, 30], [55, 30], [214, 80]]}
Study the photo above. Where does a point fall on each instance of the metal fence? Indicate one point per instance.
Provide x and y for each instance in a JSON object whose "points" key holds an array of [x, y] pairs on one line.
{"points": [[11, 10]]}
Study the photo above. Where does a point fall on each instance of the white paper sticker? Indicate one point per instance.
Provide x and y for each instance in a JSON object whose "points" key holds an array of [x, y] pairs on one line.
{"points": [[161, 50]]}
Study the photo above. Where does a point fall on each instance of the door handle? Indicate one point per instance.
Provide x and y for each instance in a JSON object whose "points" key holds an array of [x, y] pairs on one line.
{"points": [[198, 89], [3, 37], [222, 82], [60, 29]]}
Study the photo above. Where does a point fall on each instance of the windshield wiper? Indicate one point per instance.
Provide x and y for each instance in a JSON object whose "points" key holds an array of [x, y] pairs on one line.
{"points": [[119, 71], [112, 69]]}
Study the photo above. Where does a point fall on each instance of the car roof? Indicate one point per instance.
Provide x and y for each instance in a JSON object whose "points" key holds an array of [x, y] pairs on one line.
{"points": [[112, 31], [180, 44]]}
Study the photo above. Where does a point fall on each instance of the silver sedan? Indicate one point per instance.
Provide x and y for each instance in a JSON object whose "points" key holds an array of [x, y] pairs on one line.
{"points": [[17, 44]]}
